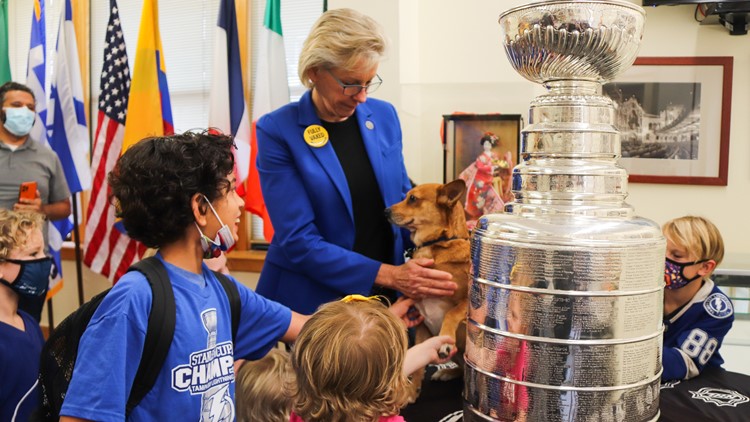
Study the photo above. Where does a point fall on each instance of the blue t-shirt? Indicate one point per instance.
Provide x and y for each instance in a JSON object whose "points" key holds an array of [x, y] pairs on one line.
{"points": [[19, 368], [197, 379], [693, 336]]}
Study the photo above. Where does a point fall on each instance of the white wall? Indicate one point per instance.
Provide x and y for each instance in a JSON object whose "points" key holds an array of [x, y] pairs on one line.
{"points": [[446, 56]]}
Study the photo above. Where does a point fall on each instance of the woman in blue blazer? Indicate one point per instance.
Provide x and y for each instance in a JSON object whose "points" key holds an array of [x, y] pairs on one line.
{"points": [[329, 165]]}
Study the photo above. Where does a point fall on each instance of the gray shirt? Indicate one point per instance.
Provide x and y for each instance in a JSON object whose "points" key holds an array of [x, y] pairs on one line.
{"points": [[31, 162]]}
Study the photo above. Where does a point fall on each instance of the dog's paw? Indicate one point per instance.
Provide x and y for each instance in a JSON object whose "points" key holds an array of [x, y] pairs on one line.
{"points": [[445, 351], [447, 374]]}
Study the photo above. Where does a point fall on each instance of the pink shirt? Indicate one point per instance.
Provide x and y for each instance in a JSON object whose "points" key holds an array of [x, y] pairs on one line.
{"points": [[295, 418], [514, 397]]}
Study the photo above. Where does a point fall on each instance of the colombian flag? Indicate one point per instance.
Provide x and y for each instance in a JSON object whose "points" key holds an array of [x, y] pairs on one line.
{"points": [[149, 110]]}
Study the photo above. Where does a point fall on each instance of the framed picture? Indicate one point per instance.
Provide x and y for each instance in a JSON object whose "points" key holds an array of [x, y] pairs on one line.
{"points": [[462, 134], [476, 149], [673, 114]]}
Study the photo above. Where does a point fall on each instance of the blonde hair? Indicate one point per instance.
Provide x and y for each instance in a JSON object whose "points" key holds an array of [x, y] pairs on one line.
{"points": [[14, 229], [698, 236], [265, 388], [349, 360], [341, 38]]}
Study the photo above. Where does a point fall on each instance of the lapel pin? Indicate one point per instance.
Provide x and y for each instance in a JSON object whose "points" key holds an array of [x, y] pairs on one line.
{"points": [[316, 136]]}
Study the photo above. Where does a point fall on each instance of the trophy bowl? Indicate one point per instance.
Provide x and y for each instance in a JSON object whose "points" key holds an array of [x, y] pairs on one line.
{"points": [[581, 40]]}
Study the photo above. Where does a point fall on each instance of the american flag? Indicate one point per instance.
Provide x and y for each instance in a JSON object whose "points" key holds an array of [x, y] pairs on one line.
{"points": [[108, 250]]}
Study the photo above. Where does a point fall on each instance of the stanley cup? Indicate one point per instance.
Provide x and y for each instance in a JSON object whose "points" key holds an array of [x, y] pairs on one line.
{"points": [[565, 315]]}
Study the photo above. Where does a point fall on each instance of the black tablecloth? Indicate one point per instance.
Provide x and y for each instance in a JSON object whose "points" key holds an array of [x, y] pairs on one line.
{"points": [[715, 395]]}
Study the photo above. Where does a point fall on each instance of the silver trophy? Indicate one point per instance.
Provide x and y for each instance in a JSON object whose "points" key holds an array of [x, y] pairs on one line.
{"points": [[565, 315]]}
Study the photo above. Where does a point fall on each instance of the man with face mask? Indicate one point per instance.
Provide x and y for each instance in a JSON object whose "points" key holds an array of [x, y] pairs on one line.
{"points": [[23, 159], [697, 315], [24, 272]]}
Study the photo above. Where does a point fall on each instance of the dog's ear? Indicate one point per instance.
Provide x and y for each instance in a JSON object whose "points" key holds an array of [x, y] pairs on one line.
{"points": [[451, 192]]}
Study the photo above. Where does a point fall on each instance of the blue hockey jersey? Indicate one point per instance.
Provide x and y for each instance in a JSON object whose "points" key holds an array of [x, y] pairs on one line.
{"points": [[693, 336]]}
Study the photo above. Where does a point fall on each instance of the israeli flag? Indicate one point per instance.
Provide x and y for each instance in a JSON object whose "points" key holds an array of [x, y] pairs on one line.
{"points": [[35, 80], [37, 70], [66, 119]]}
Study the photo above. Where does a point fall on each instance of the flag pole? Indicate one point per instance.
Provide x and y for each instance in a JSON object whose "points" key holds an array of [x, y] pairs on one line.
{"points": [[50, 316], [77, 241]]}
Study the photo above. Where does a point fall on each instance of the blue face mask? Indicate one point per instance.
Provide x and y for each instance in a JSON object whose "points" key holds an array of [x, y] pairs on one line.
{"points": [[19, 120], [32, 279]]}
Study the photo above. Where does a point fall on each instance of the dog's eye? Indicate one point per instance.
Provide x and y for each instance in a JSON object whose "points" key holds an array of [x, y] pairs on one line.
{"points": [[412, 199]]}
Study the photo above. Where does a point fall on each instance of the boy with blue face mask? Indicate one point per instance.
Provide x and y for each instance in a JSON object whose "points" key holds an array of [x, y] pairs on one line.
{"points": [[176, 194], [697, 315], [24, 159], [24, 271]]}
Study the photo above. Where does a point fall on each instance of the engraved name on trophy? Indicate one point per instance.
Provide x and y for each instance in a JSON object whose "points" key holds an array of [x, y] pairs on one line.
{"points": [[565, 315]]}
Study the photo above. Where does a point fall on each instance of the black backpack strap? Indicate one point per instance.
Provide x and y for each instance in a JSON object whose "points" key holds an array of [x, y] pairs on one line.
{"points": [[234, 300], [160, 331]]}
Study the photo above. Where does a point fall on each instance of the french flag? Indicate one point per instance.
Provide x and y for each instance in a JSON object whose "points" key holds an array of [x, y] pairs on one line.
{"points": [[228, 106]]}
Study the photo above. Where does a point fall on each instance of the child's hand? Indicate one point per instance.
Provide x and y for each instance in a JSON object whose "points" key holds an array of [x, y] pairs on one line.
{"points": [[434, 347], [427, 352], [405, 310]]}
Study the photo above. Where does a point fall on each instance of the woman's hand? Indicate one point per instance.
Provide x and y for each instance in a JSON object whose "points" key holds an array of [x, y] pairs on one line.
{"points": [[415, 279]]}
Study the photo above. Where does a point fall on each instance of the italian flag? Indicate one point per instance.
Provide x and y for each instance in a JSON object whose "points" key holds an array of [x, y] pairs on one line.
{"points": [[271, 91]]}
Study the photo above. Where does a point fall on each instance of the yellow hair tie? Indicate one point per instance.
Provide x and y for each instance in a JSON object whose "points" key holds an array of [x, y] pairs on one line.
{"points": [[358, 298]]}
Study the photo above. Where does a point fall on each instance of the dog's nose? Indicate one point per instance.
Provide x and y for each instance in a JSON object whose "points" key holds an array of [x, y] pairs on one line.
{"points": [[387, 213]]}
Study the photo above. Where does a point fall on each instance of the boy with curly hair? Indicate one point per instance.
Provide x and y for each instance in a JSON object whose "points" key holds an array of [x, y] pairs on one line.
{"points": [[176, 194]]}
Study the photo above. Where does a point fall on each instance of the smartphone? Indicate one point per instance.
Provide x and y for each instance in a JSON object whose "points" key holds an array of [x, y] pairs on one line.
{"points": [[27, 191]]}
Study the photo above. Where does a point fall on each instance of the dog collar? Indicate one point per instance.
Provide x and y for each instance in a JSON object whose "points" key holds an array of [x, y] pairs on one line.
{"points": [[409, 253]]}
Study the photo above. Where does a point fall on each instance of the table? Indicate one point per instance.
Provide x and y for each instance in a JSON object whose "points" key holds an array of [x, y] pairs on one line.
{"points": [[715, 395]]}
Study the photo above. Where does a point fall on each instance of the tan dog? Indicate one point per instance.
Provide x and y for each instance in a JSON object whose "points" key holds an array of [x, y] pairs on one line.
{"points": [[434, 215]]}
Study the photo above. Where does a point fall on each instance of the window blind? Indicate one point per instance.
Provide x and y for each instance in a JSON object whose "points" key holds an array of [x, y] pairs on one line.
{"points": [[187, 31]]}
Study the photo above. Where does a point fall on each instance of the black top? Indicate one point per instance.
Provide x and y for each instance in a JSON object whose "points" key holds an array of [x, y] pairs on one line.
{"points": [[373, 236]]}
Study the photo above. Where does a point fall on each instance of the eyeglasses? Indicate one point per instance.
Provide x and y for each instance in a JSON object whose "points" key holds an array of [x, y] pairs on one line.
{"points": [[354, 89]]}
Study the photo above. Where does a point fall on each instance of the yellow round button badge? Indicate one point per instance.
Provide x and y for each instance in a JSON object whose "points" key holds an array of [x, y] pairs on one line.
{"points": [[316, 136]]}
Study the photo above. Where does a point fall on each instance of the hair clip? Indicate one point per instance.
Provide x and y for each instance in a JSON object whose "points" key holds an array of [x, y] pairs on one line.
{"points": [[358, 298]]}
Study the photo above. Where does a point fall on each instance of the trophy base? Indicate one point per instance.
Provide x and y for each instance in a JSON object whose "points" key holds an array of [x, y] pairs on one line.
{"points": [[472, 415]]}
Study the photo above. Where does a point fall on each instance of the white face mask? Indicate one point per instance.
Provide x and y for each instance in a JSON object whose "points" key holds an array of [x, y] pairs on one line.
{"points": [[19, 120], [224, 240]]}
